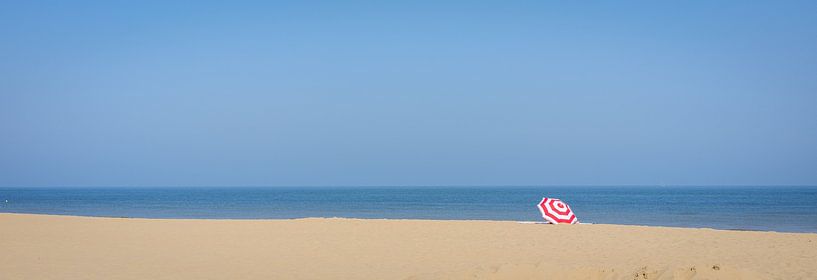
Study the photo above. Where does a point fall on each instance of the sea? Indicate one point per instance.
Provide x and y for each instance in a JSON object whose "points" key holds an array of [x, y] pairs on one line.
{"points": [[778, 208]]}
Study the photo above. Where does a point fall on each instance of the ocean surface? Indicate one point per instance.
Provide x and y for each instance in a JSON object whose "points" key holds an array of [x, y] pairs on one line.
{"points": [[788, 209]]}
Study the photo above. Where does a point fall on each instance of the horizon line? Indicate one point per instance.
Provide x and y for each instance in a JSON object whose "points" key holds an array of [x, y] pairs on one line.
{"points": [[416, 186]]}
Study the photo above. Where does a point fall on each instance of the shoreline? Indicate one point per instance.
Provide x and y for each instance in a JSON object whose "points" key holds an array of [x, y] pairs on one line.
{"points": [[740, 208], [81, 247], [399, 219]]}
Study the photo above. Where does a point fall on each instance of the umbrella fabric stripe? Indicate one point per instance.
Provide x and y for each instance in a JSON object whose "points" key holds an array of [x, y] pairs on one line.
{"points": [[560, 217], [562, 220], [556, 211], [563, 210], [557, 214]]}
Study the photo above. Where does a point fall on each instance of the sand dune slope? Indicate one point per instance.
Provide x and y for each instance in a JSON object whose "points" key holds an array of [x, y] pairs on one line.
{"points": [[60, 247]]}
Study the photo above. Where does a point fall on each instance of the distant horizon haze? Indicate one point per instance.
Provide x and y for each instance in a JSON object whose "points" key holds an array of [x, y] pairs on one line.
{"points": [[543, 186]]}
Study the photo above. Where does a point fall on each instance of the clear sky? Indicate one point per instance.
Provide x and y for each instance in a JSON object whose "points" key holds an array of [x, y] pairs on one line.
{"points": [[138, 93]]}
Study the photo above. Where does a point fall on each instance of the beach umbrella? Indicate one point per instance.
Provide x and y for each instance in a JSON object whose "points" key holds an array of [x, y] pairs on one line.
{"points": [[556, 211]]}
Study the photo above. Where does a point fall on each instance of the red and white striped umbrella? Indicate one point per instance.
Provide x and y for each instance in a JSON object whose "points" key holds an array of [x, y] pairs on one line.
{"points": [[556, 211]]}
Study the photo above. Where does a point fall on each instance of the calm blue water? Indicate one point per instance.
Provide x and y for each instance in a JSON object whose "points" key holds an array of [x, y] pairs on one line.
{"points": [[752, 208]]}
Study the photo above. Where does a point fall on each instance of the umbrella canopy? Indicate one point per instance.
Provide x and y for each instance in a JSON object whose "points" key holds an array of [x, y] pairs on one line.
{"points": [[556, 211]]}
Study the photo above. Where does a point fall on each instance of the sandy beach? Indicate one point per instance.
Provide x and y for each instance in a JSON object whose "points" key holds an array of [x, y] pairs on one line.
{"points": [[67, 247]]}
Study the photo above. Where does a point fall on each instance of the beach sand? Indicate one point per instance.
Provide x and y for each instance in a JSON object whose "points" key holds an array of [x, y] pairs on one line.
{"points": [[66, 247]]}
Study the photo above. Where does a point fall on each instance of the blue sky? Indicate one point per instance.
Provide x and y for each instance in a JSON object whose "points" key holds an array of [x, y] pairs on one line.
{"points": [[268, 93]]}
